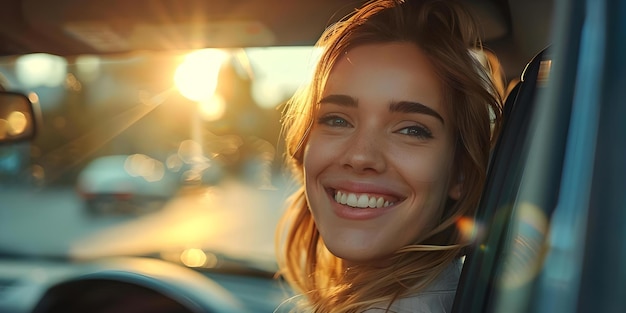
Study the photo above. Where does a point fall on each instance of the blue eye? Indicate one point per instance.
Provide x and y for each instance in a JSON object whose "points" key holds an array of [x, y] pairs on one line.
{"points": [[416, 131], [333, 121]]}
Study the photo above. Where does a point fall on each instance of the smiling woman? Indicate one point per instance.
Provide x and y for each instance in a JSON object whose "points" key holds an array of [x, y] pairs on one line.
{"points": [[371, 149], [390, 142]]}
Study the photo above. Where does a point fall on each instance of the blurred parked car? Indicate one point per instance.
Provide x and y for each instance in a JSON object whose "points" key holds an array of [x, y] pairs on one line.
{"points": [[126, 183]]}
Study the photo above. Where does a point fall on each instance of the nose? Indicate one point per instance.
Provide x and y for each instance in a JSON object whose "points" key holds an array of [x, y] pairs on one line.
{"points": [[364, 152]]}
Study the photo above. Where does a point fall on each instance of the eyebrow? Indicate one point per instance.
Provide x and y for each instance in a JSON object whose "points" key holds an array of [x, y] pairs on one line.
{"points": [[341, 100], [400, 106], [414, 107]]}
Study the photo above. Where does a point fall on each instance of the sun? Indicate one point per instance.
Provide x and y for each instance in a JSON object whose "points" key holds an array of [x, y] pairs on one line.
{"points": [[196, 78]]}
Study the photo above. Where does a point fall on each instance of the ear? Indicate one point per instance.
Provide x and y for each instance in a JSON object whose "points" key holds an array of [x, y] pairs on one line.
{"points": [[456, 189]]}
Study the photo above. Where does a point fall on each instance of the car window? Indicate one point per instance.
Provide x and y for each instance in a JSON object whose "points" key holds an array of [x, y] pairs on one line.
{"points": [[149, 145], [552, 212]]}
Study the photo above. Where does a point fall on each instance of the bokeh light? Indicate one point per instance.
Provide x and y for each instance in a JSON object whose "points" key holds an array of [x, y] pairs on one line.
{"points": [[140, 165], [41, 69], [193, 257], [190, 152], [17, 123], [523, 261], [467, 228], [33, 97]]}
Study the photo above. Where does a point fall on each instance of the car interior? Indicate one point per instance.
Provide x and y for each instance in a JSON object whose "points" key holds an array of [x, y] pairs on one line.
{"points": [[535, 229]]}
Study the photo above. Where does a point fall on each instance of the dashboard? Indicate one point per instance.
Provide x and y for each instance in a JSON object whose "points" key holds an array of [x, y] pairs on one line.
{"points": [[132, 285]]}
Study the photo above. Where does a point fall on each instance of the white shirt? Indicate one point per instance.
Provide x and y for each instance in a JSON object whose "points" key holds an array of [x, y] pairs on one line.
{"points": [[438, 297]]}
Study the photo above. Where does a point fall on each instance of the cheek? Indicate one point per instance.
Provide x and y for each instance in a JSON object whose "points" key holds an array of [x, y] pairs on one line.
{"points": [[425, 167], [316, 156], [309, 156], [315, 159], [320, 150]]}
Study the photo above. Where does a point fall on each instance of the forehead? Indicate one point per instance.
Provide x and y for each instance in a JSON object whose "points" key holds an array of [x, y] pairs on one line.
{"points": [[386, 72]]}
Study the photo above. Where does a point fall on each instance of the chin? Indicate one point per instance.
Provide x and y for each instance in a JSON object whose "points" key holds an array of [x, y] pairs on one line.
{"points": [[358, 254]]}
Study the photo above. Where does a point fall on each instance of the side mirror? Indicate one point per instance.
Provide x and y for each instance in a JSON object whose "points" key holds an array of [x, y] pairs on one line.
{"points": [[17, 117]]}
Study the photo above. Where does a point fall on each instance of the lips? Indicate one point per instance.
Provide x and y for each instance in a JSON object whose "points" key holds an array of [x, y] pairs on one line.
{"points": [[364, 200]]}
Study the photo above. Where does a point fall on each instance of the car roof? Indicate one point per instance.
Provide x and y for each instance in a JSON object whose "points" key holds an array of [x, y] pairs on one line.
{"points": [[514, 29]]}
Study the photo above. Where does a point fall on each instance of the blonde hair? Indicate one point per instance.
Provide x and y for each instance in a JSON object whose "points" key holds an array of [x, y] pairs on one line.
{"points": [[446, 33]]}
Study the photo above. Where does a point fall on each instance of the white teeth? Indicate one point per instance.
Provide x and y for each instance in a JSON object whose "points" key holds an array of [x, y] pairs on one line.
{"points": [[364, 201], [372, 202], [361, 201], [352, 200]]}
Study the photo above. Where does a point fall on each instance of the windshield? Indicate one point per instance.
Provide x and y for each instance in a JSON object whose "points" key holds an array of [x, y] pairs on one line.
{"points": [[168, 153]]}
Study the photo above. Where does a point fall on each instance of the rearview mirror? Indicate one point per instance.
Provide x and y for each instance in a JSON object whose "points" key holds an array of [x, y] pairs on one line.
{"points": [[17, 117]]}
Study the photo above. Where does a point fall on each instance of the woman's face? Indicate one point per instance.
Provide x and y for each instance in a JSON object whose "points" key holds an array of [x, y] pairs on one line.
{"points": [[379, 156]]}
